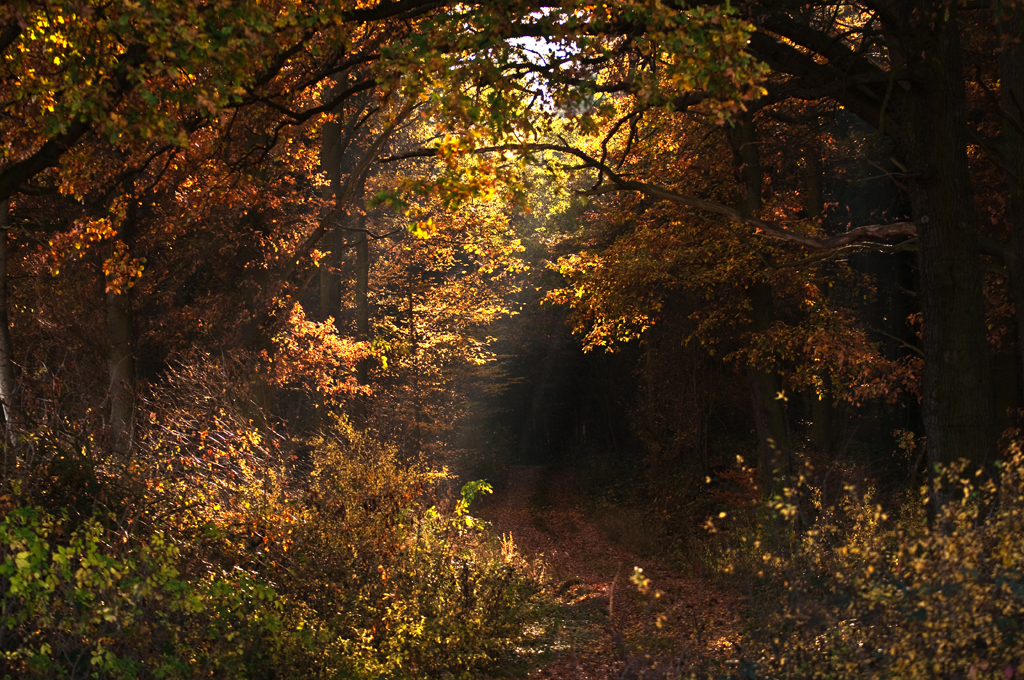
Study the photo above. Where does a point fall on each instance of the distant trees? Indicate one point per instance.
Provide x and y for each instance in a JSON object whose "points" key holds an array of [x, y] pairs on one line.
{"points": [[231, 176], [911, 72], [167, 158], [900, 67]]}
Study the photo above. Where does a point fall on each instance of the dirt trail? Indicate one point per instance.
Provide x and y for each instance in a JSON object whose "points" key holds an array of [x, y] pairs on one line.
{"points": [[610, 629]]}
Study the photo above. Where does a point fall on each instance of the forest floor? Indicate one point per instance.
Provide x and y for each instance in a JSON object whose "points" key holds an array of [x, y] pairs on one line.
{"points": [[607, 628]]}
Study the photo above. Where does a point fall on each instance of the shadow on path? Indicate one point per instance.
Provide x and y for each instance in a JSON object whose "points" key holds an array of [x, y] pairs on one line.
{"points": [[609, 628]]}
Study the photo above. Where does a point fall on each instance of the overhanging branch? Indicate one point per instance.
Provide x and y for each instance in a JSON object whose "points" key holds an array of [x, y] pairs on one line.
{"points": [[870, 231], [620, 183]]}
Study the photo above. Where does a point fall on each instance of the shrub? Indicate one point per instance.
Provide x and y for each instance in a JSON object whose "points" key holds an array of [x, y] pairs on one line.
{"points": [[866, 595], [393, 586], [86, 601], [345, 566]]}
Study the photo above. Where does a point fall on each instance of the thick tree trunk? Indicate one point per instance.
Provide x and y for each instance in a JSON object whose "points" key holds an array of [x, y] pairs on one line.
{"points": [[956, 390], [765, 386], [121, 344], [339, 156], [8, 385], [1011, 78], [333, 241], [330, 277]]}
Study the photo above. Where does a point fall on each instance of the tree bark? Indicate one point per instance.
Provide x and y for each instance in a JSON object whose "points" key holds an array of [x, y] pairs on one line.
{"points": [[820, 434], [345, 151], [765, 386], [330, 278], [956, 390], [1011, 78], [8, 384], [773, 466], [330, 163], [362, 291], [121, 342]]}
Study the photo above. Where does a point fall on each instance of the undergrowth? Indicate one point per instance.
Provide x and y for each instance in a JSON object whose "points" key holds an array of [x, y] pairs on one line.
{"points": [[347, 568], [847, 590]]}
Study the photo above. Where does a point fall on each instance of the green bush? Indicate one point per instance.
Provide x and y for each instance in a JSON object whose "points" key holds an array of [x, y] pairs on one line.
{"points": [[87, 601], [347, 568]]}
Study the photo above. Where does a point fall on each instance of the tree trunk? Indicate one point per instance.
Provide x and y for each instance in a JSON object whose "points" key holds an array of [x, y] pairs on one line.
{"points": [[1011, 78], [956, 391], [121, 369], [330, 163], [417, 410], [330, 278], [361, 243], [820, 411], [773, 465], [362, 290], [340, 155], [8, 385], [765, 386], [813, 192]]}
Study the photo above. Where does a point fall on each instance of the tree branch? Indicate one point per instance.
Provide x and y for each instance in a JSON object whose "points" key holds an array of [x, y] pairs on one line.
{"points": [[870, 231], [402, 9], [9, 34], [346, 195], [620, 183], [48, 156], [50, 153], [787, 59]]}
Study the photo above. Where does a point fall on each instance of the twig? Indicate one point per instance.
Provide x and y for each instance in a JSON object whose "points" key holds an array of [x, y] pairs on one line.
{"points": [[611, 593]]}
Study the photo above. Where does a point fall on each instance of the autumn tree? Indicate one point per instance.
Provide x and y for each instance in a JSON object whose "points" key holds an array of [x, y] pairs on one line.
{"points": [[131, 118], [900, 70]]}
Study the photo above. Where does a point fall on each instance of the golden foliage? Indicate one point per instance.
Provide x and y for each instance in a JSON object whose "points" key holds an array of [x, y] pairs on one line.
{"points": [[849, 592]]}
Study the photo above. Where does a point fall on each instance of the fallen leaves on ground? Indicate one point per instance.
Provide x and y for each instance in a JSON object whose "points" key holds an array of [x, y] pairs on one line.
{"points": [[610, 629]]}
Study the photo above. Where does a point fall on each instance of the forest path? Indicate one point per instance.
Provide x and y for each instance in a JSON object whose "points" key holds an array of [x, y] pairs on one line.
{"points": [[608, 628]]}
